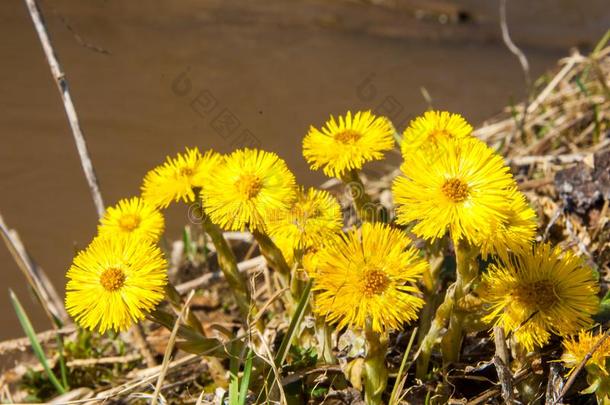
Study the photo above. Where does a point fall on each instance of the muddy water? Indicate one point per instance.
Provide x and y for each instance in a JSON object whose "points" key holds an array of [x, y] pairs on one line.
{"points": [[150, 77]]}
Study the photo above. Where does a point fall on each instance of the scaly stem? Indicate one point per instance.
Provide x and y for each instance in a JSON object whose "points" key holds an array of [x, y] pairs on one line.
{"points": [[228, 264], [272, 253], [324, 337], [375, 370], [365, 209], [466, 272], [448, 314], [441, 319], [174, 298]]}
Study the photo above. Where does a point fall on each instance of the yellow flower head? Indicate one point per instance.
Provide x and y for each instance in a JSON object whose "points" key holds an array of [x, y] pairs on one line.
{"points": [[347, 144], [425, 131], [574, 351], [248, 187], [177, 177], [463, 189], [115, 281], [368, 277], [541, 292], [312, 217], [514, 233], [132, 216]]}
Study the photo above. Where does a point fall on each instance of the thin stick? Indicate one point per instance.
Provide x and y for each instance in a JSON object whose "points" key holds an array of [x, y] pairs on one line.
{"points": [[36, 277], [170, 346], [62, 86], [522, 60], [501, 361], [582, 364]]}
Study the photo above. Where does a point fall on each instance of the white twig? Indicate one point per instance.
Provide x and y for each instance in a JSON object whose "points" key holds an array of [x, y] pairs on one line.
{"points": [[62, 86]]}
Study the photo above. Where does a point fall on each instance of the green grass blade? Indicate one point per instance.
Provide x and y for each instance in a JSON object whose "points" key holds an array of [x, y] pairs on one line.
{"points": [[234, 371], [245, 379], [31, 334], [62, 361], [294, 326], [399, 384]]}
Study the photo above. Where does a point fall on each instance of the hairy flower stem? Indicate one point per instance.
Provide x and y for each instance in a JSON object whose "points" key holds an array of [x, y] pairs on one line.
{"points": [[375, 370], [324, 334], [441, 319], [365, 209], [448, 314], [174, 298], [228, 264], [466, 272], [273, 254]]}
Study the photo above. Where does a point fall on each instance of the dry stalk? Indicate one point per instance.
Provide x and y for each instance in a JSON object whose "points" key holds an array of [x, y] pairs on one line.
{"points": [[62, 86], [170, 346], [36, 277]]}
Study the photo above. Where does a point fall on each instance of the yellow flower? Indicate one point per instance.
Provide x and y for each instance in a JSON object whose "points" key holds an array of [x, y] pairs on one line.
{"points": [[515, 233], [463, 189], [425, 131], [312, 217], [574, 351], [115, 281], [132, 216], [348, 143], [368, 276], [541, 292], [248, 187], [178, 176]]}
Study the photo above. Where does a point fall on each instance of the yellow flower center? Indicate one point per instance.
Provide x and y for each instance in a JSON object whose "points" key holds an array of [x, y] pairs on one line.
{"points": [[435, 134], [540, 294], [455, 190], [129, 222], [348, 136], [375, 282], [186, 171], [112, 279], [249, 185]]}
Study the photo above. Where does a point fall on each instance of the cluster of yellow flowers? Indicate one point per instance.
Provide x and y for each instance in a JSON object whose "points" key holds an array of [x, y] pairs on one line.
{"points": [[451, 186]]}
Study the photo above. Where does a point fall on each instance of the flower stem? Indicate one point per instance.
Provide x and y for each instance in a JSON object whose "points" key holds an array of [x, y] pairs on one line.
{"points": [[375, 370], [174, 298], [324, 337], [272, 253], [466, 272], [364, 207], [228, 264], [448, 314], [441, 319]]}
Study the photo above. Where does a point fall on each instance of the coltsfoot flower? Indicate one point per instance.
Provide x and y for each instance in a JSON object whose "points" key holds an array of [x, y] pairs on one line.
{"points": [[248, 187], [576, 349], [348, 143], [541, 292], [515, 233], [463, 189], [369, 276], [434, 126], [132, 216], [314, 215], [177, 179], [115, 281]]}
